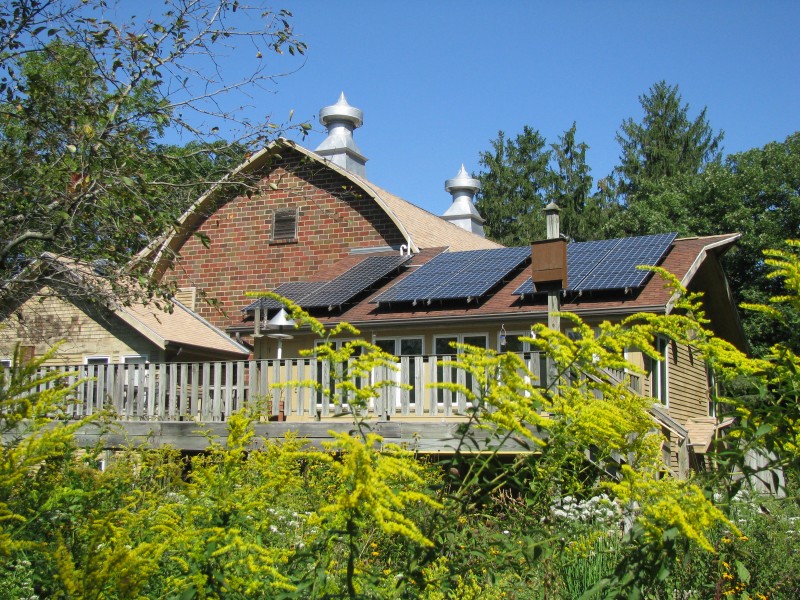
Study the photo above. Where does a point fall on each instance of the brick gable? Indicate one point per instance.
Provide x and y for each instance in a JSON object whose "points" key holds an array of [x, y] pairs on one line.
{"points": [[333, 218]]}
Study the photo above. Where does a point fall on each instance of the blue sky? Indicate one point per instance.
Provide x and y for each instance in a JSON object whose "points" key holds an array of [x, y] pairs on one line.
{"points": [[438, 80]]}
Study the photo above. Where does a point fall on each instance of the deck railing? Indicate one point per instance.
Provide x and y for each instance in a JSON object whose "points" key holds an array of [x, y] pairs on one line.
{"points": [[212, 391]]}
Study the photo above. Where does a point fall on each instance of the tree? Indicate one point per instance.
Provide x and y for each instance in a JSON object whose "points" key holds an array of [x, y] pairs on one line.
{"points": [[523, 175], [583, 214], [514, 187], [666, 144], [756, 193], [84, 105]]}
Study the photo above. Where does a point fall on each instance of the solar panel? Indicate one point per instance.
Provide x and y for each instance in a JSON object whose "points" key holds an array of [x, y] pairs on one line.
{"points": [[525, 288], [617, 269], [351, 283], [457, 275], [293, 290], [583, 258], [610, 264]]}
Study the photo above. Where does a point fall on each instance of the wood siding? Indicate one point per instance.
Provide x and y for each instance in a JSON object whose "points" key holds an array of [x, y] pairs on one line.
{"points": [[688, 383], [45, 320]]}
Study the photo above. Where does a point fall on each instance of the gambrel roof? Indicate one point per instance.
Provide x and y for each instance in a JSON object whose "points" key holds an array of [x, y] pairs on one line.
{"points": [[420, 228]]}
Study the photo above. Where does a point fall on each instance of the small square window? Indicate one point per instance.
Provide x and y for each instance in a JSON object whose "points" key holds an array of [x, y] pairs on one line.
{"points": [[284, 225]]}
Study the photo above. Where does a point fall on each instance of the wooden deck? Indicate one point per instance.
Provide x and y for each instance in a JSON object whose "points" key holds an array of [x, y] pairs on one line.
{"points": [[181, 404]]}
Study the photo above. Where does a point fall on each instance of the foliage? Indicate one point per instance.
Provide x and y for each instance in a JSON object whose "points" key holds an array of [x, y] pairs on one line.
{"points": [[757, 193], [671, 176], [514, 187], [667, 143], [276, 518], [582, 214], [522, 175], [767, 402], [84, 104]]}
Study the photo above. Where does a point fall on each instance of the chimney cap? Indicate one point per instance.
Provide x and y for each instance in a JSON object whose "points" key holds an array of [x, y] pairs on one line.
{"points": [[341, 111], [462, 181]]}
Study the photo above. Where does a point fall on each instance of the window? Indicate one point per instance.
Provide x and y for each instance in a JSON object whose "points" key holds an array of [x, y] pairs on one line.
{"points": [[27, 354], [134, 359], [327, 378], [405, 349], [5, 363], [442, 344], [442, 348], [712, 392], [96, 360], [284, 225], [536, 361], [137, 372], [659, 372]]}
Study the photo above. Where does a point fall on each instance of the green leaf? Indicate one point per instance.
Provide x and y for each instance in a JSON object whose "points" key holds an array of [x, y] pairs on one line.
{"points": [[741, 572], [204, 239], [763, 429]]}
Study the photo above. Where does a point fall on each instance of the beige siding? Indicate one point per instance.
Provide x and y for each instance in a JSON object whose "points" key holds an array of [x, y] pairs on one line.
{"points": [[44, 321], [688, 383]]}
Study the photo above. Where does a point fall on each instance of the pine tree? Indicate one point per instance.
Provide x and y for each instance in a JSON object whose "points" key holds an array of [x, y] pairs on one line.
{"points": [[667, 143]]}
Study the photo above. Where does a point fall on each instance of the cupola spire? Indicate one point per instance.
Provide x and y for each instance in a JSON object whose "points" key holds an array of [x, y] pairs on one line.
{"points": [[339, 147]]}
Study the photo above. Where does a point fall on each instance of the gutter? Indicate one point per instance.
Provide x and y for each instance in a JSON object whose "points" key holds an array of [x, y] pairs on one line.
{"points": [[461, 319]]}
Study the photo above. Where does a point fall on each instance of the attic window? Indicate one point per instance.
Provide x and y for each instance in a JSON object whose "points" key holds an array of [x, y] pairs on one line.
{"points": [[284, 225]]}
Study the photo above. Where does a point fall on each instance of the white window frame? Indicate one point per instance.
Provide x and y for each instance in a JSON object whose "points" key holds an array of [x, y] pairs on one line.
{"points": [[526, 346], [712, 392], [459, 337], [140, 374], [395, 395], [398, 339]]}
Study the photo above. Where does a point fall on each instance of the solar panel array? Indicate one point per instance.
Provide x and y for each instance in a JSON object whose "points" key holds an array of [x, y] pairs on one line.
{"points": [[293, 290], [351, 283], [610, 264], [457, 275], [338, 291]]}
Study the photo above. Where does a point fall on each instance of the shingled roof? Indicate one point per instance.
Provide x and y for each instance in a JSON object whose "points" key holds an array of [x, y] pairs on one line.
{"points": [[684, 259], [179, 328]]}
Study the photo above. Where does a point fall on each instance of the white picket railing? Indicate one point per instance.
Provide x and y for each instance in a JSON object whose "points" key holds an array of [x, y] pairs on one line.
{"points": [[212, 391]]}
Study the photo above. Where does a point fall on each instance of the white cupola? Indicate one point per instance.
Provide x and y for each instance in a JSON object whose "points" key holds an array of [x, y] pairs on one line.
{"points": [[339, 147], [462, 211]]}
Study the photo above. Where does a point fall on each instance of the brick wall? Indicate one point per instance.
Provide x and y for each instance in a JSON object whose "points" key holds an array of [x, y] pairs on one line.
{"points": [[333, 218]]}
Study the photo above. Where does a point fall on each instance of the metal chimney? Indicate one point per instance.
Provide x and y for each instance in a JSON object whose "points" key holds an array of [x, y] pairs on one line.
{"points": [[462, 211], [339, 147]]}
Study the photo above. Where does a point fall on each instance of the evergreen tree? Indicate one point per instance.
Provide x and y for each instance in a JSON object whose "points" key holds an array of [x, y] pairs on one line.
{"points": [[524, 174], [582, 214], [665, 145], [515, 187]]}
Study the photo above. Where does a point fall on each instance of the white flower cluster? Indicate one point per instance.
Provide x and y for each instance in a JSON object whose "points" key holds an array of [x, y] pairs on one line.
{"points": [[598, 509], [288, 523]]}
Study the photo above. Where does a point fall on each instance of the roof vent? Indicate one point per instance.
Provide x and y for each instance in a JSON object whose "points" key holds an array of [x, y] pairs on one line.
{"points": [[462, 211], [340, 147]]}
